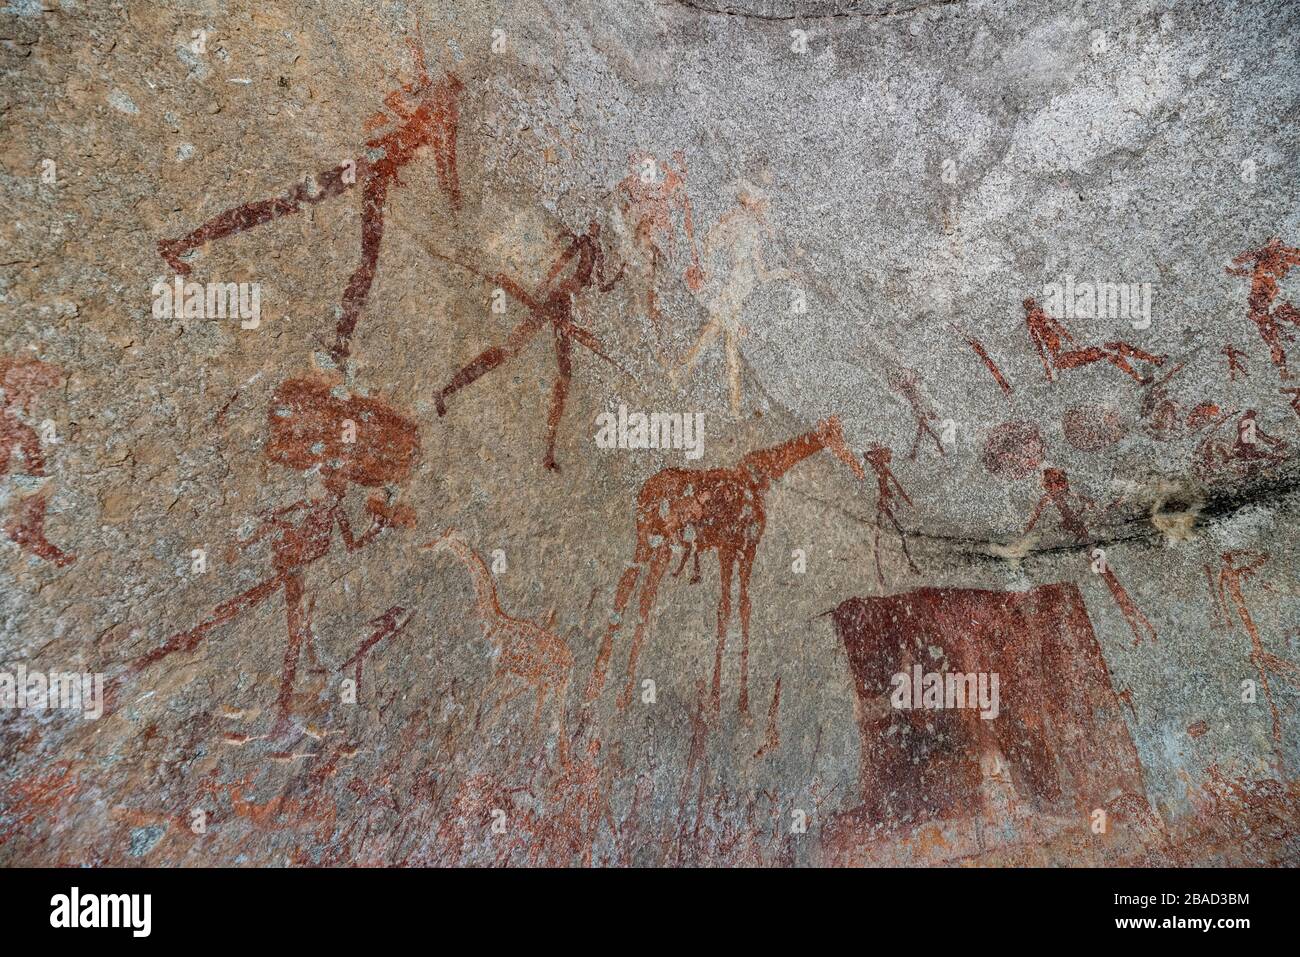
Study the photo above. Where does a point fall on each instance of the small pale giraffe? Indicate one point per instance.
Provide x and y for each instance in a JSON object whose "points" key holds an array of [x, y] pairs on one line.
{"points": [[524, 649]]}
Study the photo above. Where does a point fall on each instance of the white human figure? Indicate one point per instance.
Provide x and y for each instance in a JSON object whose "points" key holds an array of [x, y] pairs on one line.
{"points": [[737, 240]]}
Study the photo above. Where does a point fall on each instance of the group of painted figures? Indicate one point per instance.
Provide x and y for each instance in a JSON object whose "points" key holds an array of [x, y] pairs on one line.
{"points": [[680, 513]]}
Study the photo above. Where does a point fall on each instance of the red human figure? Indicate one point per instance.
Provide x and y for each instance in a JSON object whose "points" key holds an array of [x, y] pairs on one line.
{"points": [[1268, 267], [1254, 444], [698, 510], [1250, 448], [313, 435], [1235, 365], [879, 457], [1050, 338], [22, 380], [1230, 578], [551, 304], [647, 204], [1069, 507], [427, 114], [907, 383]]}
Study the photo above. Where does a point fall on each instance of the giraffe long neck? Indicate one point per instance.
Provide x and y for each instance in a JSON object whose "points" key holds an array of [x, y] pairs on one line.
{"points": [[485, 592], [771, 464]]}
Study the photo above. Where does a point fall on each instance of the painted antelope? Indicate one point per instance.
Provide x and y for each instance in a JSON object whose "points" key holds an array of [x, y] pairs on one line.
{"points": [[523, 649], [702, 510]]}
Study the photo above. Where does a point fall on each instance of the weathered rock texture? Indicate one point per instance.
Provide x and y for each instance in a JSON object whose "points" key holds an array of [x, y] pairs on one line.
{"points": [[361, 581]]}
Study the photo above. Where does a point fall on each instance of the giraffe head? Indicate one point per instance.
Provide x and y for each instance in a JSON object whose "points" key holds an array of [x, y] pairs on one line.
{"points": [[831, 434], [445, 540]]}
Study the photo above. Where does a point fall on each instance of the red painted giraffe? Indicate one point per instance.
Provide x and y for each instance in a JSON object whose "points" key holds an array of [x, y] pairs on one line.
{"points": [[701, 510]]}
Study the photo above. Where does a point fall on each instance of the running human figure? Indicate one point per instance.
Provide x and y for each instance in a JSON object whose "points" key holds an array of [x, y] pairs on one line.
{"points": [[1050, 338], [309, 430], [1268, 267], [1235, 363], [1237, 567], [1070, 506], [739, 236], [427, 114], [551, 304], [879, 457], [907, 383], [647, 202], [22, 380]]}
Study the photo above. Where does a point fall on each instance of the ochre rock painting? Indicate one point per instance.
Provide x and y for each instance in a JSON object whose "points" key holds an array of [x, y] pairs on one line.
{"points": [[717, 510], [382, 384], [425, 114], [1057, 748], [22, 454], [353, 441], [582, 263]]}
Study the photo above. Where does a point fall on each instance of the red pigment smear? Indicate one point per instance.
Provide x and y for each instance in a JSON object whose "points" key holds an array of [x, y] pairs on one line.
{"points": [[1068, 753], [1014, 450]]}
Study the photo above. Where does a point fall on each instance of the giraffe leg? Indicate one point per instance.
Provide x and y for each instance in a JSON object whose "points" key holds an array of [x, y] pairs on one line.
{"points": [[658, 564], [626, 585], [746, 566], [488, 691], [541, 700], [561, 735], [502, 701], [686, 554], [560, 393], [726, 559], [732, 348]]}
